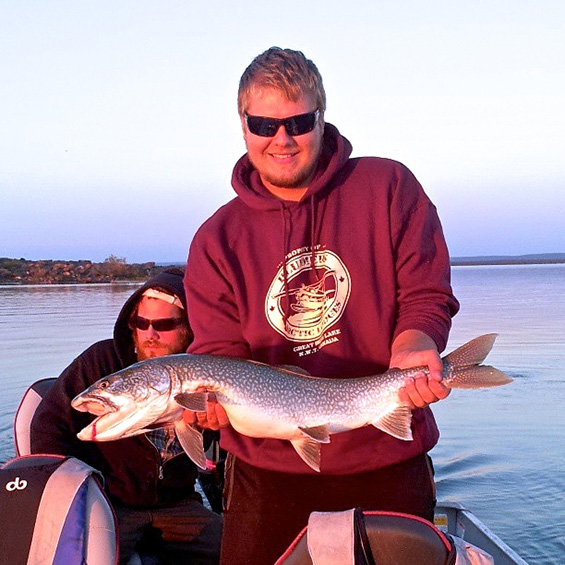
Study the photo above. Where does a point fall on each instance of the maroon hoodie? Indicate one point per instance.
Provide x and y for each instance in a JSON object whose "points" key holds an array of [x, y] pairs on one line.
{"points": [[326, 284]]}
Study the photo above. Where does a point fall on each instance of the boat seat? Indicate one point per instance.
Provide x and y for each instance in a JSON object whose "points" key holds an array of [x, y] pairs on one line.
{"points": [[55, 511], [25, 412], [393, 539], [103, 525]]}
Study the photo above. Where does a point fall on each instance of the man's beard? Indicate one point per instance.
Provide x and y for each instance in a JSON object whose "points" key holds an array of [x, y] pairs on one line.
{"points": [[281, 179], [151, 348], [296, 179], [289, 181]]}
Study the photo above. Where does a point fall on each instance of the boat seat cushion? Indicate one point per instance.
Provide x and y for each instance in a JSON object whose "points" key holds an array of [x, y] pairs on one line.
{"points": [[394, 539], [63, 515], [25, 412]]}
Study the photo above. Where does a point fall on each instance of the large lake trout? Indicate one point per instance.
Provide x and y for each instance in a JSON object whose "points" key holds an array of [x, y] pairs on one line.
{"points": [[265, 401]]}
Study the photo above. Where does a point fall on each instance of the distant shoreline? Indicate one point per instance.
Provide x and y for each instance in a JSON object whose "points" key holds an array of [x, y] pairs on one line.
{"points": [[116, 269], [112, 270], [542, 259]]}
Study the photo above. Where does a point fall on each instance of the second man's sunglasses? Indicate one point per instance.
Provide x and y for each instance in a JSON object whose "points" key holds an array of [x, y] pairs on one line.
{"points": [[159, 325], [294, 125]]}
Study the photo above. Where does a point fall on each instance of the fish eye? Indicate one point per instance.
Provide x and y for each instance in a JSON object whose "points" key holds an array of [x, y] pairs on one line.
{"points": [[104, 384]]}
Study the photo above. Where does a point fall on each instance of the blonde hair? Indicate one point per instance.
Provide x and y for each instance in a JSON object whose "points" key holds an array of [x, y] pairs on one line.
{"points": [[283, 69]]}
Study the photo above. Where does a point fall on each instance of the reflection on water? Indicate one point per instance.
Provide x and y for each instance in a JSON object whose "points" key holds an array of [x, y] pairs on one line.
{"points": [[43, 328], [501, 451]]}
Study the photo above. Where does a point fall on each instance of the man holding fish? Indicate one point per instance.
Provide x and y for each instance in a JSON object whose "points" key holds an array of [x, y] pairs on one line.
{"points": [[332, 264]]}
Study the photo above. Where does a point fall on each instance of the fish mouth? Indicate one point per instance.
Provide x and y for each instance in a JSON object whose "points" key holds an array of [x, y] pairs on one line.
{"points": [[108, 417], [109, 425], [97, 405]]}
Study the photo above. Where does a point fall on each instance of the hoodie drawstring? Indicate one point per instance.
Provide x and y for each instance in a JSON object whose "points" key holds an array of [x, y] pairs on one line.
{"points": [[285, 212], [312, 236], [286, 234]]}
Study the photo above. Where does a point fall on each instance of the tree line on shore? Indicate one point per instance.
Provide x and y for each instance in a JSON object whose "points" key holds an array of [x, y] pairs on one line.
{"points": [[112, 269]]}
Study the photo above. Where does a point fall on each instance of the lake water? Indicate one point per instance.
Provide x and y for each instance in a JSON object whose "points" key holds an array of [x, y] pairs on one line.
{"points": [[501, 452]]}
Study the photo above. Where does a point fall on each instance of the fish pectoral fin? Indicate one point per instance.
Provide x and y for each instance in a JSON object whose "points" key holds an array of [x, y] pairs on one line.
{"points": [[309, 451], [191, 441], [193, 401], [319, 434], [396, 422]]}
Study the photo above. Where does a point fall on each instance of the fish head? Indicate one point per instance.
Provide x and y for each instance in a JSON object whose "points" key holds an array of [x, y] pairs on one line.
{"points": [[126, 402]]}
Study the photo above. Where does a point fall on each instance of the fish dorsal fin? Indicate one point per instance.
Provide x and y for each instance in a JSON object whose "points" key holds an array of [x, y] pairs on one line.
{"points": [[294, 369], [193, 401], [191, 441], [317, 433], [473, 352], [309, 451], [396, 422]]}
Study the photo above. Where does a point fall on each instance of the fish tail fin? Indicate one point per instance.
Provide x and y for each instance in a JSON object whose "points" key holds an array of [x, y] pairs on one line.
{"points": [[465, 367], [478, 376], [471, 353]]}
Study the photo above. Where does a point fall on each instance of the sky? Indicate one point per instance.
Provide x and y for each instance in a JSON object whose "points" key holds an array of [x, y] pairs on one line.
{"points": [[119, 128]]}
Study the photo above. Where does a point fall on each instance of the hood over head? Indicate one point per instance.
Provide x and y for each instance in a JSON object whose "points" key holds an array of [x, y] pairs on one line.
{"points": [[170, 282]]}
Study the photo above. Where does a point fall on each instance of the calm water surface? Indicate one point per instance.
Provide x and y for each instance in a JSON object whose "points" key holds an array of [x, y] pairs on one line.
{"points": [[501, 452]]}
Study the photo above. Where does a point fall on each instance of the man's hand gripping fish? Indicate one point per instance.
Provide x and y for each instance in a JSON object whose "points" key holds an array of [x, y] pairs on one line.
{"points": [[265, 401]]}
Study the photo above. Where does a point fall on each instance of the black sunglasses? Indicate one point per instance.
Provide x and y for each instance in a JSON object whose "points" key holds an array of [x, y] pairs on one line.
{"points": [[159, 325], [294, 125]]}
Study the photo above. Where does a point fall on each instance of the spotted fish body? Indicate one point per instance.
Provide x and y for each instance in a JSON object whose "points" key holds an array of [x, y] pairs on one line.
{"points": [[265, 401]]}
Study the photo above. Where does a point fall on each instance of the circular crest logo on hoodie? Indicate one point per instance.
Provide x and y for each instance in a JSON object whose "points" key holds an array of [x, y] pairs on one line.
{"points": [[312, 299]]}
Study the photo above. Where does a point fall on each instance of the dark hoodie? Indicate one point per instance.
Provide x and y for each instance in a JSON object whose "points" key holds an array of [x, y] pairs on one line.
{"points": [[326, 284], [134, 475]]}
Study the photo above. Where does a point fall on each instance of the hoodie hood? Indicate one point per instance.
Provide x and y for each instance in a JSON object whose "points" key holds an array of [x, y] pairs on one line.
{"points": [[246, 181], [169, 281]]}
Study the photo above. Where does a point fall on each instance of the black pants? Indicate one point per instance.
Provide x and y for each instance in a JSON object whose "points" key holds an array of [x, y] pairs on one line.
{"points": [[266, 510], [185, 533]]}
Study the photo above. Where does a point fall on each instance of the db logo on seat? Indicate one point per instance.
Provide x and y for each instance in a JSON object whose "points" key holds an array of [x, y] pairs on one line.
{"points": [[16, 484]]}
